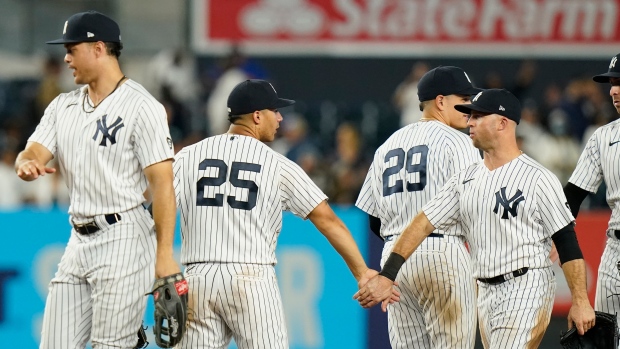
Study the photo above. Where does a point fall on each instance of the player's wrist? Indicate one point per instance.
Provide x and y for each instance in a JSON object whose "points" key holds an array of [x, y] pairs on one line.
{"points": [[392, 266]]}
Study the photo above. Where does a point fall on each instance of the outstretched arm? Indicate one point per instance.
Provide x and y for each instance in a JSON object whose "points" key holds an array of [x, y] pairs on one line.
{"points": [[377, 289], [164, 207], [31, 162], [326, 221], [581, 313]]}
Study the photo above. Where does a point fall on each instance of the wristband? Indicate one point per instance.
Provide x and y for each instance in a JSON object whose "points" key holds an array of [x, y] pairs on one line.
{"points": [[392, 266]]}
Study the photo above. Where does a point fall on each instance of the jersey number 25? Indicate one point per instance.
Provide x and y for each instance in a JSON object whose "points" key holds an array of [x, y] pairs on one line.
{"points": [[410, 167], [234, 179]]}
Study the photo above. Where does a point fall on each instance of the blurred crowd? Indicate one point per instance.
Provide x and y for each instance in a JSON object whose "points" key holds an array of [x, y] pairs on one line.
{"points": [[334, 144]]}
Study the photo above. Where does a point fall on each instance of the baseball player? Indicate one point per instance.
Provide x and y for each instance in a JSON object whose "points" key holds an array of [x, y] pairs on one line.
{"points": [[232, 189], [111, 140], [511, 209], [407, 171], [600, 161]]}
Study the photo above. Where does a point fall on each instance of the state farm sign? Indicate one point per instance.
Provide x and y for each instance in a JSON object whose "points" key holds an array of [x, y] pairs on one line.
{"points": [[426, 27]]}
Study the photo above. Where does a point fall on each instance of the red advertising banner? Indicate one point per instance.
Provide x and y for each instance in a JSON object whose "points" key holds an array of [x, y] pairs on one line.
{"points": [[590, 228], [397, 27]]}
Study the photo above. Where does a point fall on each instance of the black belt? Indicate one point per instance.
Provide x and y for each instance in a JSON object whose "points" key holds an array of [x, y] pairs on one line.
{"points": [[432, 235], [617, 234], [92, 227], [502, 278]]}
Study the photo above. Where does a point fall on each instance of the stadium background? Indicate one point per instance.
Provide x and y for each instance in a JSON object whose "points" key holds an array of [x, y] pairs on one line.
{"points": [[343, 61]]}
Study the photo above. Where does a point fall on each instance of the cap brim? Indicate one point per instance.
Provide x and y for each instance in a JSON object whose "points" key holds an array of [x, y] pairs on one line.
{"points": [[281, 103], [604, 78], [467, 108], [62, 41]]}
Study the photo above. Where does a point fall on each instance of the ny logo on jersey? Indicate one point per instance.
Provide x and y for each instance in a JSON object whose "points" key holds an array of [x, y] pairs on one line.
{"points": [[105, 130], [502, 199]]}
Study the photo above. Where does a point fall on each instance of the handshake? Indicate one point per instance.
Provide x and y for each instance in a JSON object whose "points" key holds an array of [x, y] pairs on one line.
{"points": [[375, 289]]}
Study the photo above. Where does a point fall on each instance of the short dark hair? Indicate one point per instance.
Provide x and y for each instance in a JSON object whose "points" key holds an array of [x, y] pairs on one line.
{"points": [[423, 104], [114, 48]]}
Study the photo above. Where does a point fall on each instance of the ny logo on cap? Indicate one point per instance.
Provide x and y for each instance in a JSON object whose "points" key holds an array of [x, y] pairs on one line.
{"points": [[89, 34], [612, 64], [274, 90], [476, 98], [502, 108], [467, 77], [64, 30]]}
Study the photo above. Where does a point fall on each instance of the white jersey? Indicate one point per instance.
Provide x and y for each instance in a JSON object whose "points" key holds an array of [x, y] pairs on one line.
{"points": [[509, 214], [102, 154], [409, 169], [600, 161], [231, 191]]}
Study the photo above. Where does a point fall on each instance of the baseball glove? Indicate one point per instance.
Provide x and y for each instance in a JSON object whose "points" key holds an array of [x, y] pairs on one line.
{"points": [[170, 297], [604, 334], [142, 342]]}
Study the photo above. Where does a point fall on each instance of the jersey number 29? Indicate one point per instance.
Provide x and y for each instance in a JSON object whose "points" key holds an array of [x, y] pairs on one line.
{"points": [[410, 167], [234, 179]]}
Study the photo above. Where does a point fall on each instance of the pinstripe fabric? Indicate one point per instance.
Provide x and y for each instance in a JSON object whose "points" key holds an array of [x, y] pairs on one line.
{"points": [[516, 313], [231, 191], [600, 161], [436, 309], [218, 232], [234, 300], [98, 290], [105, 179], [501, 245]]}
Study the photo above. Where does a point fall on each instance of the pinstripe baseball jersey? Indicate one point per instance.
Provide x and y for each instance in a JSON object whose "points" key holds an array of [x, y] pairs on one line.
{"points": [[409, 169], [102, 154], [435, 283], [231, 191], [509, 214], [600, 160]]}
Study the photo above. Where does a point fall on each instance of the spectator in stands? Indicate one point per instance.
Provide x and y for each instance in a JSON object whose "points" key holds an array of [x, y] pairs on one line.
{"points": [[405, 97], [350, 166]]}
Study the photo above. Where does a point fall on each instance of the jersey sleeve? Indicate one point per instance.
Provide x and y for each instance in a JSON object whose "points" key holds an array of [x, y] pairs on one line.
{"points": [[552, 204], [45, 133], [300, 194], [152, 140], [588, 173], [179, 171], [366, 200], [443, 210]]}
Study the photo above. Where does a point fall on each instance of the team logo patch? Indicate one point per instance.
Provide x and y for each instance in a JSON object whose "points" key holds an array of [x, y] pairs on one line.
{"points": [[169, 140], [108, 131], [510, 205], [181, 287]]}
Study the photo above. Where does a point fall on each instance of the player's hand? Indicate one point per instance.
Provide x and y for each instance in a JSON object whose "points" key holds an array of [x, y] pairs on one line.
{"points": [[378, 289], [366, 276], [32, 169], [581, 315], [553, 255], [165, 266]]}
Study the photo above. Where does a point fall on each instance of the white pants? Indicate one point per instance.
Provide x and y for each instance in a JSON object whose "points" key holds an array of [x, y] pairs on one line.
{"points": [[516, 313], [608, 279], [98, 290], [234, 300], [437, 304]]}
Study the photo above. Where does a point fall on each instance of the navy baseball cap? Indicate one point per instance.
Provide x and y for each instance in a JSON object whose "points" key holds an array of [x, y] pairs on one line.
{"points": [[252, 95], [494, 101], [90, 26], [445, 80], [613, 72]]}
